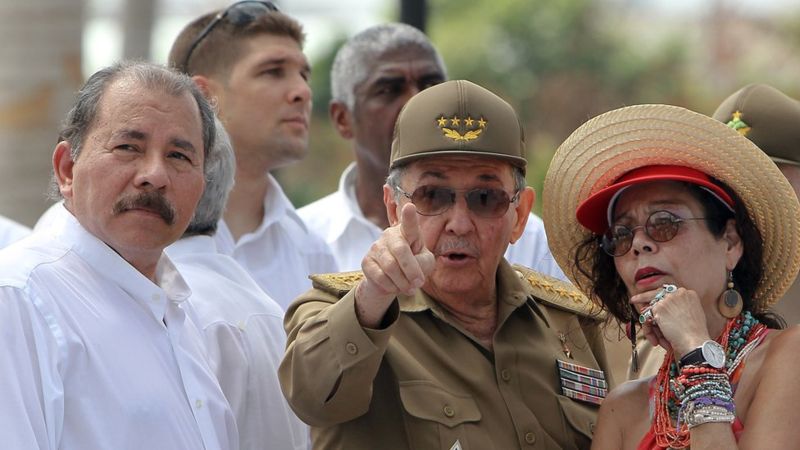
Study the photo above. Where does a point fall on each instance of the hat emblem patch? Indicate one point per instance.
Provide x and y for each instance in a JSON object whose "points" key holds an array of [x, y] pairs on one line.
{"points": [[472, 128], [738, 124]]}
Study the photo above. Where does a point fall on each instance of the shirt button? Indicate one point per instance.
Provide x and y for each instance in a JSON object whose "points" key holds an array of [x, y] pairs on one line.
{"points": [[449, 411], [198, 403], [351, 348], [530, 438], [505, 375]]}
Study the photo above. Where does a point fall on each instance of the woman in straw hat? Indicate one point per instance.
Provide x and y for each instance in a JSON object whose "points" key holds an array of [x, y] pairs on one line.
{"points": [[676, 223]]}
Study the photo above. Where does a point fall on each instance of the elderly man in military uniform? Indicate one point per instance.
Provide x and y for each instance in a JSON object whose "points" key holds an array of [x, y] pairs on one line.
{"points": [[439, 343]]}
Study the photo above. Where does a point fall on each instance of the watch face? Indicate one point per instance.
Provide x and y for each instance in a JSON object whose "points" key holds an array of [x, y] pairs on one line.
{"points": [[714, 354]]}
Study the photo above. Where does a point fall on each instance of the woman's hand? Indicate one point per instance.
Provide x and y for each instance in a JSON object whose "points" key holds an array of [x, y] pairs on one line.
{"points": [[678, 321]]}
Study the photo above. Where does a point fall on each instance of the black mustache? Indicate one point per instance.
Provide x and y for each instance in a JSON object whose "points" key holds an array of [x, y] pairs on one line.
{"points": [[151, 201]]}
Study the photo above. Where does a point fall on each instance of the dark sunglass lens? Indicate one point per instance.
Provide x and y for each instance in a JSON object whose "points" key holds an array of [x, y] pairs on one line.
{"points": [[432, 200], [243, 13], [488, 202], [662, 226]]}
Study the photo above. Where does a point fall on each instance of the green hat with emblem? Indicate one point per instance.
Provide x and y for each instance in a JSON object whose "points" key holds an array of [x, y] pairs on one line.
{"points": [[766, 116], [458, 117]]}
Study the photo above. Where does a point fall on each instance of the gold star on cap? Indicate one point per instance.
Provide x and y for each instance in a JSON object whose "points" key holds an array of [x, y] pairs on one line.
{"points": [[468, 121], [482, 123], [455, 121], [442, 121], [738, 124]]}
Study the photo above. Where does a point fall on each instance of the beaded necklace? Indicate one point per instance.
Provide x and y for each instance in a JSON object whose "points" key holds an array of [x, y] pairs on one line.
{"points": [[741, 335]]}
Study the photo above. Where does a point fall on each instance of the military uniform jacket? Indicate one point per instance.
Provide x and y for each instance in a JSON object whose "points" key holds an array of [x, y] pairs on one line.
{"points": [[422, 383]]}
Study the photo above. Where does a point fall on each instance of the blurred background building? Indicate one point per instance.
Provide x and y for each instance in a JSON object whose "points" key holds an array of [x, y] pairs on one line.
{"points": [[559, 62]]}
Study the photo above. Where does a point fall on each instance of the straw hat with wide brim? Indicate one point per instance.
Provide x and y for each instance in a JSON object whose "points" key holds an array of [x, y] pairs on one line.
{"points": [[612, 144]]}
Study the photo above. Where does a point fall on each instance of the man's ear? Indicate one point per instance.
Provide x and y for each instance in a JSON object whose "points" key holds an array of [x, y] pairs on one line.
{"points": [[341, 119], [527, 197], [204, 84], [62, 168], [392, 211]]}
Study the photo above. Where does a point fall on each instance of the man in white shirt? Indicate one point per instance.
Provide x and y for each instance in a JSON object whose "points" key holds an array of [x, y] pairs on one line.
{"points": [[248, 58], [100, 347], [243, 326], [373, 75]]}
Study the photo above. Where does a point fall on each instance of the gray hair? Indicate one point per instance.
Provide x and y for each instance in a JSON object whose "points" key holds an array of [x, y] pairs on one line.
{"points": [[219, 170], [354, 60], [396, 175], [152, 76]]}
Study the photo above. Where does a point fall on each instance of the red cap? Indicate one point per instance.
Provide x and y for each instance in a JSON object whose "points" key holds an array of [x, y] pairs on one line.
{"points": [[593, 212]]}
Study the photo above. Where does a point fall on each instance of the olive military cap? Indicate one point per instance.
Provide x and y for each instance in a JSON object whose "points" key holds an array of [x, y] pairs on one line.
{"points": [[767, 117], [458, 118]]}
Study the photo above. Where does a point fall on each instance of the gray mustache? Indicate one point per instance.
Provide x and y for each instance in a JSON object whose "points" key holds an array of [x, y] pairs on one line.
{"points": [[152, 201], [457, 245]]}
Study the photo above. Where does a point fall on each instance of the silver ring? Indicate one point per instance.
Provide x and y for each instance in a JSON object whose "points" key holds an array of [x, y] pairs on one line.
{"points": [[665, 289], [646, 315]]}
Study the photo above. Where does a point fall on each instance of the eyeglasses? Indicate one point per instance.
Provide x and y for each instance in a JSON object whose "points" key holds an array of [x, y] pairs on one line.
{"points": [[239, 14], [484, 202], [661, 226]]}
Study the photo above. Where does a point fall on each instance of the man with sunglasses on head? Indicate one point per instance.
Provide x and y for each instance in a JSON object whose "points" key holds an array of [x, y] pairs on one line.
{"points": [[249, 62], [439, 343], [373, 75]]}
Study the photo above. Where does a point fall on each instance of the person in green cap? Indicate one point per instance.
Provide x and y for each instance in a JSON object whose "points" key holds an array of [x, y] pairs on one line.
{"points": [[439, 343], [771, 120]]}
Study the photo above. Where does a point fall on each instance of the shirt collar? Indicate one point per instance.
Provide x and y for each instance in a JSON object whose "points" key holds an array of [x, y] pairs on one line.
{"points": [[347, 196], [105, 262], [277, 207]]}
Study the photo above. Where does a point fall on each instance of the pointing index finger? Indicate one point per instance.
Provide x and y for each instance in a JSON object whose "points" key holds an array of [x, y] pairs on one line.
{"points": [[409, 226]]}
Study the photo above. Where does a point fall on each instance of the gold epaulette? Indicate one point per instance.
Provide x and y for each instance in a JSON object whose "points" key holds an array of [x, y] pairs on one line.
{"points": [[337, 284], [559, 294]]}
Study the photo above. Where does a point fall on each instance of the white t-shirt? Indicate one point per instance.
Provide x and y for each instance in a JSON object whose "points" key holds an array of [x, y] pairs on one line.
{"points": [[282, 252], [244, 334], [338, 219], [97, 356]]}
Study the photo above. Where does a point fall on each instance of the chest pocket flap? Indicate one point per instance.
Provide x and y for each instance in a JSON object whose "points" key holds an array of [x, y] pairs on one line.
{"points": [[427, 401], [580, 417]]}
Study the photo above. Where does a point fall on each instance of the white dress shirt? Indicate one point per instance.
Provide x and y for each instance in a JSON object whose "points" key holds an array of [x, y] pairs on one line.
{"points": [[338, 219], [244, 334], [282, 252], [11, 231], [97, 356]]}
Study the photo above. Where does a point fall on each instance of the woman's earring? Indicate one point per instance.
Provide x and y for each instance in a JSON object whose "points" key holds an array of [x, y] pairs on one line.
{"points": [[730, 303]]}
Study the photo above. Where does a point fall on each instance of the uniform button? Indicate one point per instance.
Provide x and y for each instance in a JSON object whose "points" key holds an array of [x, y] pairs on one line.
{"points": [[156, 297], [198, 403], [351, 348], [449, 411], [530, 438], [505, 375], [591, 427]]}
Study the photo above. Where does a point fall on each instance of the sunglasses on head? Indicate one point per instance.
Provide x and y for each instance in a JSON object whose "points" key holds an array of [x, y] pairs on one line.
{"points": [[661, 226], [483, 202], [239, 14]]}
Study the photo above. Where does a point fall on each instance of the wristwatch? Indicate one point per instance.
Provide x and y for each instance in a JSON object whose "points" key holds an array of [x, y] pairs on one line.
{"points": [[710, 353]]}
